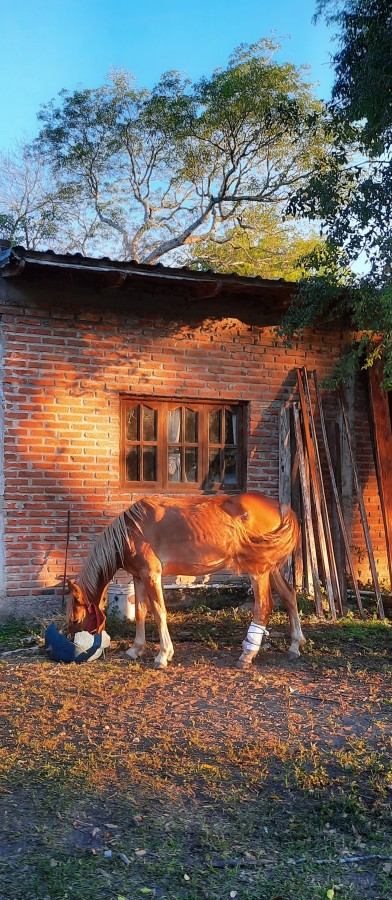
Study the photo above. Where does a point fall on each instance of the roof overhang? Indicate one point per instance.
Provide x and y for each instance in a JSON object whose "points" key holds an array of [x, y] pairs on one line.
{"points": [[270, 297]]}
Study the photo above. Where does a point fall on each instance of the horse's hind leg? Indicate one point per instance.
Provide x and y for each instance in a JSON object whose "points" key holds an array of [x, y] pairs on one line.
{"points": [[288, 596], [261, 613], [139, 643]]}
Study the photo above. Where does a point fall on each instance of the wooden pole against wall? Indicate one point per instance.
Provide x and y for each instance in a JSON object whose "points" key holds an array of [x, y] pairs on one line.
{"points": [[307, 512], [285, 471], [296, 501], [66, 557], [333, 436], [316, 493], [336, 495], [324, 508], [362, 510], [382, 427]]}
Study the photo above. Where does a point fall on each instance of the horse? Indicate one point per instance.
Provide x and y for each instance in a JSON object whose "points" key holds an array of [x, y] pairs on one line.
{"points": [[244, 533]]}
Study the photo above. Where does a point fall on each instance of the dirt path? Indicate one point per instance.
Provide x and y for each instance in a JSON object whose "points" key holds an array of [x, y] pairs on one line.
{"points": [[118, 781]]}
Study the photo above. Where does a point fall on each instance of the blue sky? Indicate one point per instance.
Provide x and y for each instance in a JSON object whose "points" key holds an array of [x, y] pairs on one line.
{"points": [[50, 44]]}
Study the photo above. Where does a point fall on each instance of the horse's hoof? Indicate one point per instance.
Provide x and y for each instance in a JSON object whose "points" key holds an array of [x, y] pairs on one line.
{"points": [[160, 666], [293, 656], [243, 664], [133, 653]]}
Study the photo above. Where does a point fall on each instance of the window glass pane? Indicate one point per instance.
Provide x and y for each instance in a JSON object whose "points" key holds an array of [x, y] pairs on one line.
{"points": [[191, 464], [149, 464], [190, 426], [133, 464], [214, 467], [231, 427], [174, 464], [174, 425], [214, 419], [149, 424], [230, 476], [132, 424]]}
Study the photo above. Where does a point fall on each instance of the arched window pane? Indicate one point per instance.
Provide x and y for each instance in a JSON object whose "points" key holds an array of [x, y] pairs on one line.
{"points": [[214, 421], [190, 426], [132, 424], [174, 425], [231, 427], [149, 424]]}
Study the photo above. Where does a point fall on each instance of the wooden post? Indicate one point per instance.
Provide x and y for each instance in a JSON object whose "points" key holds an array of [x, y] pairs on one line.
{"points": [[324, 507], [66, 557], [315, 481], [336, 495], [299, 555], [333, 438], [308, 513], [285, 471], [365, 526], [382, 427]]}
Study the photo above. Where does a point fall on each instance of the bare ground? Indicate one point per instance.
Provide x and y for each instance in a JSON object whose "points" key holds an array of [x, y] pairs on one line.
{"points": [[117, 781]]}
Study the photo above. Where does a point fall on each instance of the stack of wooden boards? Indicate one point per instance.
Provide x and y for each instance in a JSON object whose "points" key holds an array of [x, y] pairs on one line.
{"points": [[319, 565]]}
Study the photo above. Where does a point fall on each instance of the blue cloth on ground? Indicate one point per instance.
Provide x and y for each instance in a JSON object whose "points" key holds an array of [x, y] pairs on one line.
{"points": [[60, 649]]}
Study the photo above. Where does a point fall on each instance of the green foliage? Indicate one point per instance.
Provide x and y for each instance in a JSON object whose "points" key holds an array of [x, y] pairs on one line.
{"points": [[352, 193], [363, 72], [260, 243]]}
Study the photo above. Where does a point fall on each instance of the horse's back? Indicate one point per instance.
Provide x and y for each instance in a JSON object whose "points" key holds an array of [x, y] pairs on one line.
{"points": [[261, 513], [206, 516]]}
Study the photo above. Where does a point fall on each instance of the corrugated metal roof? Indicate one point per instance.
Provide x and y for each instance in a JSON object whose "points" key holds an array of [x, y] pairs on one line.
{"points": [[14, 259]]}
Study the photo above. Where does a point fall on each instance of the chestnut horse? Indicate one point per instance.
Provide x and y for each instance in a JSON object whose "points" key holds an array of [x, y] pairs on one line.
{"points": [[241, 533]]}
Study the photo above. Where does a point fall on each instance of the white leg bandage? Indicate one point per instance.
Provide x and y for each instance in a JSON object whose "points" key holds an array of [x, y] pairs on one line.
{"points": [[254, 637]]}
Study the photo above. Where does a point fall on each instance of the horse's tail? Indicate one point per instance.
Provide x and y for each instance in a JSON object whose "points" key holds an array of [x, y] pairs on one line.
{"points": [[285, 539], [269, 551]]}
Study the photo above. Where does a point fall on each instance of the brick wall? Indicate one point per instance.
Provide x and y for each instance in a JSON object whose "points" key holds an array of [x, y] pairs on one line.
{"points": [[64, 371]]}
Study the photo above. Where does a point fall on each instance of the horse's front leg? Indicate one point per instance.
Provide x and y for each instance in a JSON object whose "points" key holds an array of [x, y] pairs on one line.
{"points": [[152, 579], [258, 626], [141, 600]]}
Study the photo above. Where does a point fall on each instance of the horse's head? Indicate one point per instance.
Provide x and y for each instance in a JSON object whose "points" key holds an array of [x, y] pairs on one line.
{"points": [[81, 614]]}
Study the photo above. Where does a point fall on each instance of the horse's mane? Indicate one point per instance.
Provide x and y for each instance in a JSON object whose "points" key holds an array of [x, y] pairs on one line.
{"points": [[103, 558]]}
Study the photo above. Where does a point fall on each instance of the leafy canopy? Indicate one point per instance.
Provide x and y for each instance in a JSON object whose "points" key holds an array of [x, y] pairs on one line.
{"points": [[261, 244], [352, 195], [167, 169]]}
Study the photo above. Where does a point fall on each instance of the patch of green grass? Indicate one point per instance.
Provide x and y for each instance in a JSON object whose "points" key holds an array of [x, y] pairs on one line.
{"points": [[13, 632]]}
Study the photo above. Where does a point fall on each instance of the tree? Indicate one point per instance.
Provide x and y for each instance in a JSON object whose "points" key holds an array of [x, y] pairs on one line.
{"points": [[37, 209], [172, 168], [352, 196], [260, 243], [29, 202]]}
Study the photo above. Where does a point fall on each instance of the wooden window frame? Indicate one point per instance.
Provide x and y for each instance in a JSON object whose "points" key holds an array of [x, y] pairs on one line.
{"points": [[203, 408]]}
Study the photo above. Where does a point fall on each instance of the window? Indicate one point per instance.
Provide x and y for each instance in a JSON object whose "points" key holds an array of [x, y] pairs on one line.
{"points": [[167, 445]]}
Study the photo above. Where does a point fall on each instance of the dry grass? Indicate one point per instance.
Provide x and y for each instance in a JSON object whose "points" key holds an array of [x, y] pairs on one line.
{"points": [[117, 781]]}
